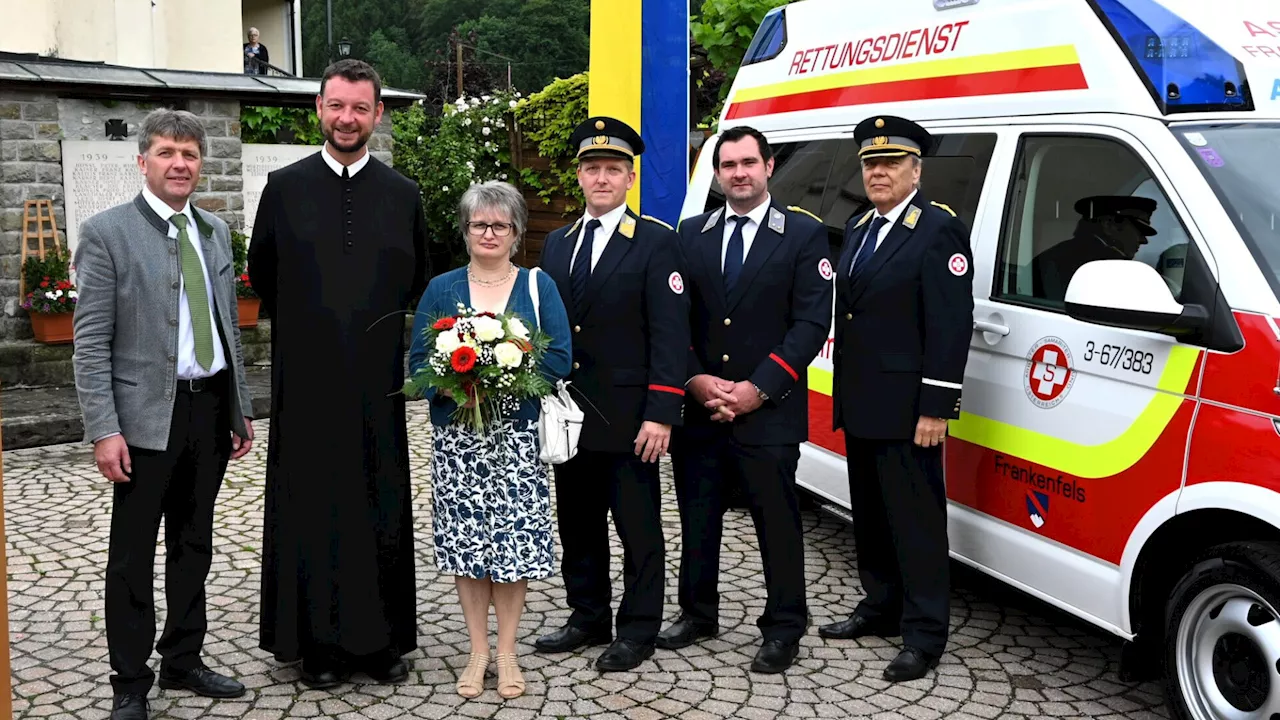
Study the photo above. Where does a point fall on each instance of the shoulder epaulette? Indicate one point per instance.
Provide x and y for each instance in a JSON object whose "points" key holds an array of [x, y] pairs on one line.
{"points": [[944, 207], [650, 218], [797, 208]]}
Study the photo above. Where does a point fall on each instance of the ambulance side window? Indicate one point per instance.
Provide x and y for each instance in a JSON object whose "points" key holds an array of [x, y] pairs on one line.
{"points": [[1046, 239], [953, 174]]}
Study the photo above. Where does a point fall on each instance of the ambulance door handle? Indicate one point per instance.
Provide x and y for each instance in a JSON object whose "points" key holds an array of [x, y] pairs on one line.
{"points": [[990, 327]]}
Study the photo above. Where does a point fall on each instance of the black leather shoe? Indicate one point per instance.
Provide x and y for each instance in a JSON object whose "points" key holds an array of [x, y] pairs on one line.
{"points": [[911, 664], [393, 671], [683, 633], [857, 626], [129, 706], [775, 656], [201, 681], [570, 638], [623, 655], [320, 675]]}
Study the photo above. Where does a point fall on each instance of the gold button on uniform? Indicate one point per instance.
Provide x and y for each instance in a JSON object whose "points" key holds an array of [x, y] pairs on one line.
{"points": [[575, 366], [848, 316], [727, 322], [577, 328], [724, 358]]}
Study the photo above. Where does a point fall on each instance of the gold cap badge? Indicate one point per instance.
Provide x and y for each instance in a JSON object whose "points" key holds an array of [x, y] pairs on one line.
{"points": [[599, 124], [880, 140], [879, 122], [600, 140]]}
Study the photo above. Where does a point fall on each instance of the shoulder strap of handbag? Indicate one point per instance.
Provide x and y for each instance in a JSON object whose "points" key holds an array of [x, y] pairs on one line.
{"points": [[533, 292]]}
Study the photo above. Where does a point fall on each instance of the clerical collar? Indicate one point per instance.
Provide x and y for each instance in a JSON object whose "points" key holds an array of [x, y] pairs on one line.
{"points": [[756, 214], [608, 221], [333, 163]]}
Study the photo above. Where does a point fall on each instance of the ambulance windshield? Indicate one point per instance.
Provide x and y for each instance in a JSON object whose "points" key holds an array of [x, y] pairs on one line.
{"points": [[1242, 164]]}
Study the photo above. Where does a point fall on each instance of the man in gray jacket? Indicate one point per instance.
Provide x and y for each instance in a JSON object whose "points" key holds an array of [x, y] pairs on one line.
{"points": [[160, 378]]}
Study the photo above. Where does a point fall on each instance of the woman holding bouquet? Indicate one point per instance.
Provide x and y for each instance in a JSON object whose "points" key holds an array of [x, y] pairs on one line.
{"points": [[491, 494]]}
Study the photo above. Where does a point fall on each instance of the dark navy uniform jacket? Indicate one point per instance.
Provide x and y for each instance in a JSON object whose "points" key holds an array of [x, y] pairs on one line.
{"points": [[902, 327], [769, 328], [631, 338]]}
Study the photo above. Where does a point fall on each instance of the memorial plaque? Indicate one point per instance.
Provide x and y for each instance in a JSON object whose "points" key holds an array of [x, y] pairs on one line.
{"points": [[256, 162], [97, 175]]}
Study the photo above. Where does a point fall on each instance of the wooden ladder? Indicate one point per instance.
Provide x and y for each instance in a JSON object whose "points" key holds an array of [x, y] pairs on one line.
{"points": [[37, 214]]}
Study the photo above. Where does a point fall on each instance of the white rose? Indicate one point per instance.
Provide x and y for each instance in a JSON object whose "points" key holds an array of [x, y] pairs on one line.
{"points": [[447, 342], [507, 355], [517, 328], [487, 131], [487, 329]]}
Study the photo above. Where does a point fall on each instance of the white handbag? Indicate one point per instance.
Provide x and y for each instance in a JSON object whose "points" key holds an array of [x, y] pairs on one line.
{"points": [[560, 422]]}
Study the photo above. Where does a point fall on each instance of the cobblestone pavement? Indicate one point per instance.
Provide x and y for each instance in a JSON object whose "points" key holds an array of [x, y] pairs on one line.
{"points": [[1009, 656]]}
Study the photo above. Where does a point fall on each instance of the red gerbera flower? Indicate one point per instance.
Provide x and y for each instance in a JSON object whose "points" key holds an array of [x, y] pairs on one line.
{"points": [[444, 323], [464, 359]]}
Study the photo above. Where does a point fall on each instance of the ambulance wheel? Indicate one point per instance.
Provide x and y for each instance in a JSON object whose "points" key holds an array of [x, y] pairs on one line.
{"points": [[1222, 635]]}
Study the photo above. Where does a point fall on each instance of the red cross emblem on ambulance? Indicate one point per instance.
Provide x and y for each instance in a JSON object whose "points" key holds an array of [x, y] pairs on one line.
{"points": [[1048, 376]]}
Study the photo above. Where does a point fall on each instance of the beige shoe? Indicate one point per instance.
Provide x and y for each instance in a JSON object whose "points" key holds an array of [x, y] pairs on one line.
{"points": [[471, 681], [510, 681]]}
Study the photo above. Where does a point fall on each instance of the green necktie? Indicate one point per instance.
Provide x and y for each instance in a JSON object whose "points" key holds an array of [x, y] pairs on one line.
{"points": [[197, 299]]}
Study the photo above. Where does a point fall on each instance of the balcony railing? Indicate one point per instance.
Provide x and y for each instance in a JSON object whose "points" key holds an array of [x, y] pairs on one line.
{"points": [[254, 66]]}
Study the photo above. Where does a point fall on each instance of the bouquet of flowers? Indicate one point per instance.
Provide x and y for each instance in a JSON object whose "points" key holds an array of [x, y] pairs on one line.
{"points": [[487, 363]]}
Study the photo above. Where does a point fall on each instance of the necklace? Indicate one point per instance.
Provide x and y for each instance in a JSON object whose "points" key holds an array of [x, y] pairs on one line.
{"points": [[491, 283]]}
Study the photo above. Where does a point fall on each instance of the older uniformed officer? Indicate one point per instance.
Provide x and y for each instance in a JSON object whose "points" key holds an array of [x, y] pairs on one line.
{"points": [[760, 285], [904, 316], [621, 279]]}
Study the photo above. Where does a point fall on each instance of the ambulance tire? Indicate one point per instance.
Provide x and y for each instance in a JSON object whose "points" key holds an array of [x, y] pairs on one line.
{"points": [[1223, 617]]}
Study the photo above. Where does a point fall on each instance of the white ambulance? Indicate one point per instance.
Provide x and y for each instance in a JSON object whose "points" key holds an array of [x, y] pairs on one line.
{"points": [[1118, 453]]}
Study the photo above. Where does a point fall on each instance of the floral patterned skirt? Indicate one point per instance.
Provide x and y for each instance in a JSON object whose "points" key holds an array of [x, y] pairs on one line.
{"points": [[491, 503]]}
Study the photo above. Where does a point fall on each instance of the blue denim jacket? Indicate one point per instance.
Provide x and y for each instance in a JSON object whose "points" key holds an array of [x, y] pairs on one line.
{"points": [[442, 297]]}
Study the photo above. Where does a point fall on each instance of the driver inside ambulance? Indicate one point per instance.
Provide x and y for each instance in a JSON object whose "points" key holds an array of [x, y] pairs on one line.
{"points": [[1111, 227]]}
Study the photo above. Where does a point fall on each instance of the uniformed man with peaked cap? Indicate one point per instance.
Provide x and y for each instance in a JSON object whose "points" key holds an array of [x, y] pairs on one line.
{"points": [[1111, 227], [621, 279], [904, 316]]}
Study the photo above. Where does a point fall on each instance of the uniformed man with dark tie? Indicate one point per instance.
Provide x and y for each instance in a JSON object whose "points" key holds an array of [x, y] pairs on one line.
{"points": [[760, 285], [904, 317], [622, 282]]}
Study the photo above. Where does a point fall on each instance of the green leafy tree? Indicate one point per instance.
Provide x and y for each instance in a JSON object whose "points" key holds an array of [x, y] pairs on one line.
{"points": [[542, 37], [724, 29]]}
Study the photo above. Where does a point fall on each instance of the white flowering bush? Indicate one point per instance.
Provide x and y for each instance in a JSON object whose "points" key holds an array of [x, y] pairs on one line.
{"points": [[469, 142]]}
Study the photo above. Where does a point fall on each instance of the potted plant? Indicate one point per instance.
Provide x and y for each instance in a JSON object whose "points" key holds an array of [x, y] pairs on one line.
{"points": [[51, 297], [247, 300]]}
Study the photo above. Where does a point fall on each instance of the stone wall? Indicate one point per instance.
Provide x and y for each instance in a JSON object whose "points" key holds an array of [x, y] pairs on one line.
{"points": [[220, 187], [30, 168]]}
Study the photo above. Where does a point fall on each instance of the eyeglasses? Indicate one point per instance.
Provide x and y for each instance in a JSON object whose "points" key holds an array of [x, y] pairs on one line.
{"points": [[499, 229]]}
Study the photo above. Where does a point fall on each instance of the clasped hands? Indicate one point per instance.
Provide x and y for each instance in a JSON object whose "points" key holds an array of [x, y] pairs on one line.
{"points": [[725, 398]]}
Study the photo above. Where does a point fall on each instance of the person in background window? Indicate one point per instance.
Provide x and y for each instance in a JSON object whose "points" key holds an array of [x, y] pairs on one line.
{"points": [[1111, 227], [255, 55]]}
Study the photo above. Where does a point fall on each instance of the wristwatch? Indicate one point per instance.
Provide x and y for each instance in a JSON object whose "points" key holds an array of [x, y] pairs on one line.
{"points": [[764, 397]]}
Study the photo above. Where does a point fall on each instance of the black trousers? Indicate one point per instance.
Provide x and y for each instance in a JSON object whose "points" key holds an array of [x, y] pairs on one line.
{"points": [[181, 484], [588, 488], [707, 465], [900, 527]]}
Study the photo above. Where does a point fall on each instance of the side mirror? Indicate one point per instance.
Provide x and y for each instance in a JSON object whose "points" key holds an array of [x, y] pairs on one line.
{"points": [[1129, 294]]}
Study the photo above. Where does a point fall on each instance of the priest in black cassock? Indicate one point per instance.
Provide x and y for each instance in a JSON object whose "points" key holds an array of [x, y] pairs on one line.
{"points": [[338, 246]]}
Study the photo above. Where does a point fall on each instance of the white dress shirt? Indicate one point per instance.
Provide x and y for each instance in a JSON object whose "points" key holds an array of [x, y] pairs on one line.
{"points": [[188, 367], [352, 169], [891, 218], [754, 218], [608, 223]]}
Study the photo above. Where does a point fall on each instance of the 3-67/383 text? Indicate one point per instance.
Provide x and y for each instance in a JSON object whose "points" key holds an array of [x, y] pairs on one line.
{"points": [[1120, 357]]}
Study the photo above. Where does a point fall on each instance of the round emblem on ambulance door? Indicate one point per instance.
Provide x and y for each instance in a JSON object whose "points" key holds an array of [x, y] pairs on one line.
{"points": [[676, 283], [1049, 374]]}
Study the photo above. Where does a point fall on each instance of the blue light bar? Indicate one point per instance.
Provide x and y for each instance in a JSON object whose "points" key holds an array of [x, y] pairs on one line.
{"points": [[769, 39], [1184, 70]]}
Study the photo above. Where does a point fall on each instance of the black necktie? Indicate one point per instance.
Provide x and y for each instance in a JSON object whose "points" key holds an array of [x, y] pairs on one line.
{"points": [[868, 246], [581, 271], [733, 253]]}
